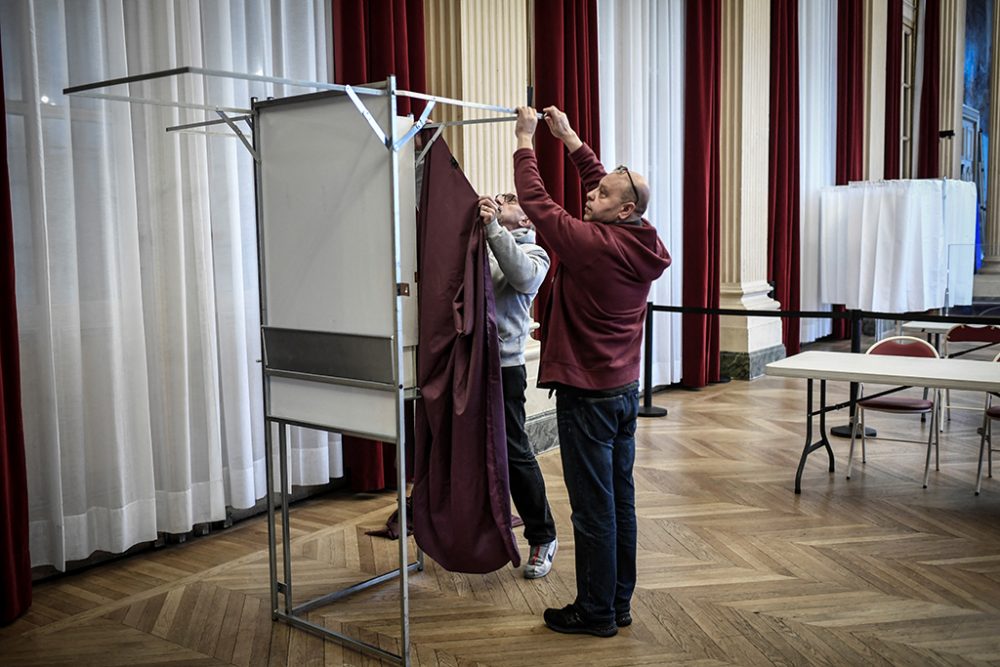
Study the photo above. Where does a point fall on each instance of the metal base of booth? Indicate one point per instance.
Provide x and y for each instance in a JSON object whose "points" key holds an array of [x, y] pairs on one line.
{"points": [[295, 615]]}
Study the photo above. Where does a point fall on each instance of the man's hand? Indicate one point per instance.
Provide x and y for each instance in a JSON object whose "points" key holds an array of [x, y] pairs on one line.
{"points": [[561, 129], [488, 209], [524, 129]]}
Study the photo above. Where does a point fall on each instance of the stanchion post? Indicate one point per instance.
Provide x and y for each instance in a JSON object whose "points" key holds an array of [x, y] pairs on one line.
{"points": [[845, 430], [647, 409]]}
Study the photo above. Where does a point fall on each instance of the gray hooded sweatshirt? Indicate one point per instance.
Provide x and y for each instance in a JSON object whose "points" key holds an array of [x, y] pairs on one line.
{"points": [[518, 267]]}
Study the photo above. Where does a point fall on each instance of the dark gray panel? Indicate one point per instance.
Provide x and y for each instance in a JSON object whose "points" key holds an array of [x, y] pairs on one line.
{"points": [[367, 358]]}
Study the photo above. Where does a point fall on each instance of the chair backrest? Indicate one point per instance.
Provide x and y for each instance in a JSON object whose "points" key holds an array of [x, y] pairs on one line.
{"points": [[973, 333], [996, 359], [992, 311], [903, 346]]}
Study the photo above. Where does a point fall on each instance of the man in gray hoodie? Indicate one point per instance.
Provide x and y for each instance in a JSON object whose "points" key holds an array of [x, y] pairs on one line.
{"points": [[518, 266]]}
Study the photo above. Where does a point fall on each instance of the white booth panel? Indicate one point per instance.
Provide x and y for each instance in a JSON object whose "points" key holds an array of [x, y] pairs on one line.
{"points": [[326, 219], [358, 410]]}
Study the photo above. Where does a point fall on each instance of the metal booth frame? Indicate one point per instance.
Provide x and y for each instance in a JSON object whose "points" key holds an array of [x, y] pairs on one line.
{"points": [[284, 609]]}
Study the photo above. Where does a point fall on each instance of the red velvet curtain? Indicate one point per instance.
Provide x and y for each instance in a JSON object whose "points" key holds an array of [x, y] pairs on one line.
{"points": [[850, 107], [15, 562], [371, 40], [893, 87], [375, 38], [783, 177], [928, 163], [565, 76], [700, 333]]}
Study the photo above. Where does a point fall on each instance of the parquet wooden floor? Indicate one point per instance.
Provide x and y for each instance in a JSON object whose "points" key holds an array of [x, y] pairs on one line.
{"points": [[734, 568]]}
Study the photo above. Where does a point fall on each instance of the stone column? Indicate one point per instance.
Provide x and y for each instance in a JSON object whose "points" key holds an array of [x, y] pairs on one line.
{"points": [[747, 343], [991, 229], [952, 84], [876, 20], [477, 50]]}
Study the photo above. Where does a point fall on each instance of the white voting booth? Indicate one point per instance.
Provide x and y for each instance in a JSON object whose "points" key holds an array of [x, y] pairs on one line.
{"points": [[336, 201], [898, 246], [337, 251], [330, 259]]}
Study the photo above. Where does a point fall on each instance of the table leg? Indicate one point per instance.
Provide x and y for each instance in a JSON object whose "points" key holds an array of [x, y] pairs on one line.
{"points": [[822, 422], [811, 446]]}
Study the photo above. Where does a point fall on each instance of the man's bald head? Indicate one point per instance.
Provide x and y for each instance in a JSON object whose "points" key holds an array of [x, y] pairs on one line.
{"points": [[639, 187]]}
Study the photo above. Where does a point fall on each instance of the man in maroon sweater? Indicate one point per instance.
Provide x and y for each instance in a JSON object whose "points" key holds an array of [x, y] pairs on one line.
{"points": [[591, 346]]}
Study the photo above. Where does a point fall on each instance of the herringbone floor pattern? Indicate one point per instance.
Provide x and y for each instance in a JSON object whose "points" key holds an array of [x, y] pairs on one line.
{"points": [[734, 569]]}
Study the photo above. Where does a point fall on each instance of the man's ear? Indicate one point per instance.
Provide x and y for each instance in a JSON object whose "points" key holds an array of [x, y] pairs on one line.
{"points": [[523, 221], [628, 208]]}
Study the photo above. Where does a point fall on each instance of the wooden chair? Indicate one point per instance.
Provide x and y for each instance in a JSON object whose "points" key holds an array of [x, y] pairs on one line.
{"points": [[903, 346], [991, 413]]}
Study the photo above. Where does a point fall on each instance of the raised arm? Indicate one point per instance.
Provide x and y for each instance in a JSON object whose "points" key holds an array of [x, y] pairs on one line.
{"points": [[589, 167]]}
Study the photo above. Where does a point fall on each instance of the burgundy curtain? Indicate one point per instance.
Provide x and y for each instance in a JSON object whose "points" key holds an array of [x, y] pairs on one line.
{"points": [[461, 489], [850, 107], [783, 176], [700, 333], [893, 87], [15, 563], [930, 117], [371, 40], [565, 76], [375, 38]]}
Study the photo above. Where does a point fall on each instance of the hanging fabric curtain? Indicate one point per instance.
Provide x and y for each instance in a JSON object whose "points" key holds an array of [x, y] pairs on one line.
{"points": [[850, 107], [138, 315], [928, 147], [461, 491], [893, 87], [783, 180], [817, 145], [371, 40], [642, 126], [15, 561], [701, 191], [566, 75]]}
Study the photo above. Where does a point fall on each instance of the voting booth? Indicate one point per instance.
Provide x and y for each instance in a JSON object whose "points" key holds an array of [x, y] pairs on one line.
{"points": [[337, 259], [335, 175]]}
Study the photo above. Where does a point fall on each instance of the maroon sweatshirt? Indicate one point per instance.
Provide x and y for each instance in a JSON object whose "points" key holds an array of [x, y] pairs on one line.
{"points": [[593, 327]]}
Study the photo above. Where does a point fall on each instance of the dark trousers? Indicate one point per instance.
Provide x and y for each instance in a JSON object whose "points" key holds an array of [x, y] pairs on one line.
{"points": [[597, 444], [527, 486]]}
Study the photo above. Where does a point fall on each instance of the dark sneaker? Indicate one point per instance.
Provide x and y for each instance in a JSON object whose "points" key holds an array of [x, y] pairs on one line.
{"points": [[623, 619], [568, 621], [540, 560]]}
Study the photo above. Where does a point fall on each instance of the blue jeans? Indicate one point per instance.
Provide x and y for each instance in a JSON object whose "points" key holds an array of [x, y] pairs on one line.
{"points": [[597, 445]]}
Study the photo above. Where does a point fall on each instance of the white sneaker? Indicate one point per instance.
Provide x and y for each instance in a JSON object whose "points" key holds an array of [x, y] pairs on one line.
{"points": [[540, 560]]}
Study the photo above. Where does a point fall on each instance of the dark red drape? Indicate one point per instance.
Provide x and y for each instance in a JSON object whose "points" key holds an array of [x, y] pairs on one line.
{"points": [[930, 116], [850, 107], [461, 490], [15, 562], [375, 38], [700, 333], [893, 87], [565, 76], [371, 40], [783, 176]]}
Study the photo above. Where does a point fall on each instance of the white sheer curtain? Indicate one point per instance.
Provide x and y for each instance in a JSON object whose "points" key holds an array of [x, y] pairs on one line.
{"points": [[136, 266], [817, 145], [641, 46]]}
